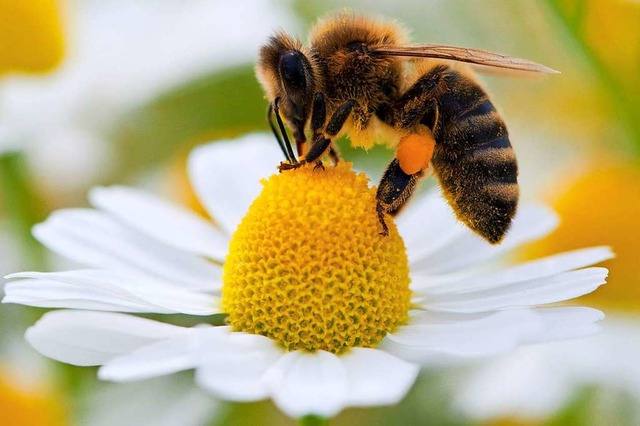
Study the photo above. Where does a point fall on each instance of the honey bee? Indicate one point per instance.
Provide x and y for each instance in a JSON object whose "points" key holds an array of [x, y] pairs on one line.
{"points": [[359, 77]]}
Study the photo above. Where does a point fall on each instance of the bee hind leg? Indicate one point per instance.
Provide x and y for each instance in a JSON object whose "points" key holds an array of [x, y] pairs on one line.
{"points": [[413, 154], [394, 190]]}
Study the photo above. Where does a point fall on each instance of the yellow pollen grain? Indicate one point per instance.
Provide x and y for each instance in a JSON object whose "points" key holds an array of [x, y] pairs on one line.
{"points": [[308, 268]]}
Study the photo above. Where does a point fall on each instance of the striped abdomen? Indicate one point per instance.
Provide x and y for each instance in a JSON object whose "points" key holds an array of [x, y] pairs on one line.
{"points": [[473, 158]]}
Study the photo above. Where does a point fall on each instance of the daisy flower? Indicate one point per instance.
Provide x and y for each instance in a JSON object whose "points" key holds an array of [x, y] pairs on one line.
{"points": [[321, 312]]}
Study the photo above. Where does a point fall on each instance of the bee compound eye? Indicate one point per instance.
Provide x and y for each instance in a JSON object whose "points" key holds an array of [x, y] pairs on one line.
{"points": [[292, 70]]}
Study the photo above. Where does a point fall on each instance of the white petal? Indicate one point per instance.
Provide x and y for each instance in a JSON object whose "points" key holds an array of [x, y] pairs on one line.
{"points": [[166, 222], [376, 377], [106, 290], [428, 224], [226, 175], [537, 381], [556, 288], [430, 336], [91, 237], [564, 323], [55, 294], [93, 338], [539, 268], [309, 383], [468, 335], [469, 250], [232, 365], [157, 359]]}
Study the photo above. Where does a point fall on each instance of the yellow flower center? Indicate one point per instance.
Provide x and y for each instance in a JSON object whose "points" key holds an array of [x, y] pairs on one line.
{"points": [[308, 268]]}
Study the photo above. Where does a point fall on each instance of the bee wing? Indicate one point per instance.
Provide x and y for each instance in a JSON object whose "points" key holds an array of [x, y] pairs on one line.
{"points": [[462, 54]]}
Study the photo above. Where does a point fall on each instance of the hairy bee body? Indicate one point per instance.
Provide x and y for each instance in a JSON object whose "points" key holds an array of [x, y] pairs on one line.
{"points": [[349, 72], [473, 158], [377, 97]]}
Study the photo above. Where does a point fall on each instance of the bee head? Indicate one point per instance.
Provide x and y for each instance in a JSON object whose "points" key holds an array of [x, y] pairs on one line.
{"points": [[288, 73]]}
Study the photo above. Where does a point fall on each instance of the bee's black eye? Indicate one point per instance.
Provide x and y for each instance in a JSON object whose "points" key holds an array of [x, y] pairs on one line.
{"points": [[292, 70]]}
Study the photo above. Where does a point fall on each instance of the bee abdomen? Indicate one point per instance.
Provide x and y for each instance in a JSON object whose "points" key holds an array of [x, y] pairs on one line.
{"points": [[478, 170], [482, 108]]}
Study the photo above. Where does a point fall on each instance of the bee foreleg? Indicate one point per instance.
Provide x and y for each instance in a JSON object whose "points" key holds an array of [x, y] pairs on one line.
{"points": [[318, 148], [322, 141], [318, 118], [339, 117], [394, 190], [319, 113]]}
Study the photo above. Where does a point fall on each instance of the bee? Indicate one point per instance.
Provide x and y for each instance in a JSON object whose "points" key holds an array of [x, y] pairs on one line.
{"points": [[361, 78]]}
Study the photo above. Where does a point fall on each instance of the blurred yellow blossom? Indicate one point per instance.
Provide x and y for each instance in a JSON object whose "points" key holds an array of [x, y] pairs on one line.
{"points": [[610, 30], [29, 406], [604, 36], [31, 36], [601, 207]]}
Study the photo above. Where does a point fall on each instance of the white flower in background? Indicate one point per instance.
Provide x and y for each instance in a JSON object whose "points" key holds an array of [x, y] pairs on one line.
{"points": [[536, 382], [119, 55], [323, 313], [163, 401]]}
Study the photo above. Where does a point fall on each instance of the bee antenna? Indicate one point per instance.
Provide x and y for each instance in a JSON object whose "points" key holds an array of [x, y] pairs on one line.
{"points": [[285, 139], [275, 132]]}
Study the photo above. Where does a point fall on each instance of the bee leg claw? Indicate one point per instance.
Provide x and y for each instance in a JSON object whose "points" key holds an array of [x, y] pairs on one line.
{"points": [[290, 166], [385, 229], [318, 166]]}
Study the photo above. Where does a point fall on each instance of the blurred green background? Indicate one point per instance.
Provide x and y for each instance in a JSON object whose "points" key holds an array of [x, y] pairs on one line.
{"points": [[101, 92]]}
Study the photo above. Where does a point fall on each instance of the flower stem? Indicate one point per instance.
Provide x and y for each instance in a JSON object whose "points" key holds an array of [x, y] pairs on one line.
{"points": [[313, 420]]}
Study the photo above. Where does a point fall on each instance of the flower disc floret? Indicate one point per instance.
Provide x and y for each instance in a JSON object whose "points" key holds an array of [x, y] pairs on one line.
{"points": [[308, 268]]}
